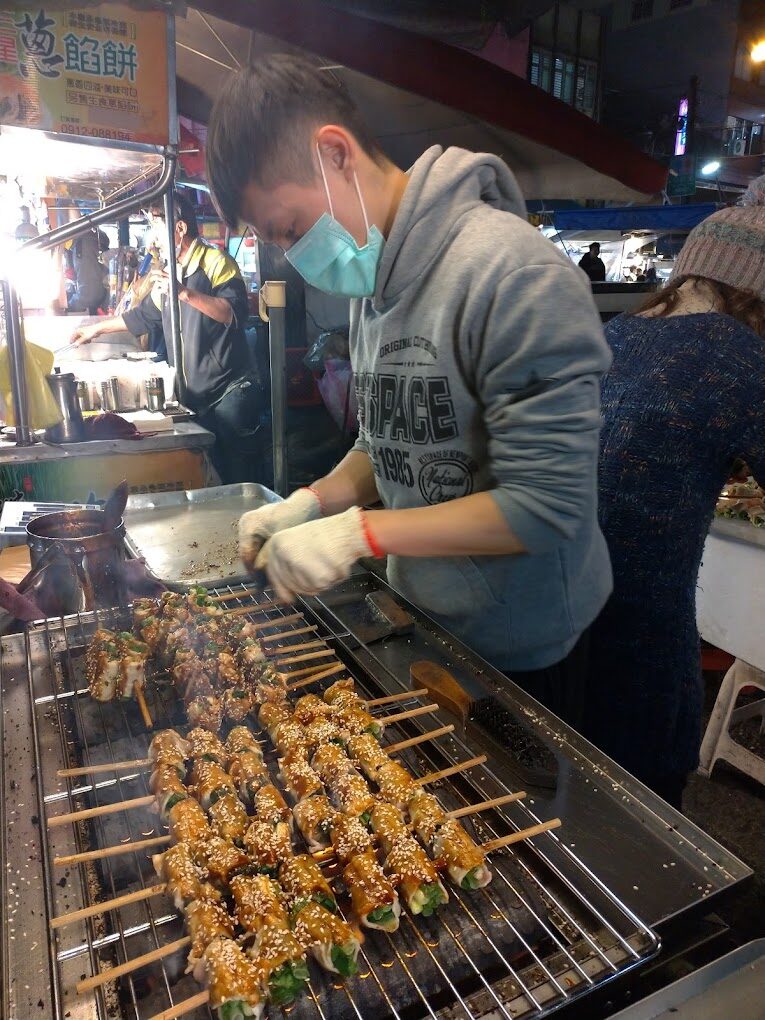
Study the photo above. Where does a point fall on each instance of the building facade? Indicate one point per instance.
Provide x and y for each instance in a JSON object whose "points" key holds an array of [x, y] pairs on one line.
{"points": [[659, 52]]}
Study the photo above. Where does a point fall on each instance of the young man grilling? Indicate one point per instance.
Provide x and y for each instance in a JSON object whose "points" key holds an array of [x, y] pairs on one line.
{"points": [[477, 353]]}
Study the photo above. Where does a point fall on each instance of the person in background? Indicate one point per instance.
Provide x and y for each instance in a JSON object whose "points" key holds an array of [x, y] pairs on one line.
{"points": [[593, 264], [477, 352], [682, 400], [91, 293], [220, 381], [26, 229]]}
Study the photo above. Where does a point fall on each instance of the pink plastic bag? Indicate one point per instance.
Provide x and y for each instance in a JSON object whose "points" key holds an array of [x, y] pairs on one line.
{"points": [[338, 393]]}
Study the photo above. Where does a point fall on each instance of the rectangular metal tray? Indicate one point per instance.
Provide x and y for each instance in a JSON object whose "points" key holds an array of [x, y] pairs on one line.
{"points": [[190, 537], [729, 987]]}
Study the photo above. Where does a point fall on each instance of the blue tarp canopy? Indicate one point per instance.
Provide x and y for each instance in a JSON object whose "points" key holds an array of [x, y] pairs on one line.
{"points": [[638, 217]]}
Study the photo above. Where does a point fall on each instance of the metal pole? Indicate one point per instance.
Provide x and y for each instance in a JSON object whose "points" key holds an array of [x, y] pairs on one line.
{"points": [[19, 393], [176, 341], [273, 304]]}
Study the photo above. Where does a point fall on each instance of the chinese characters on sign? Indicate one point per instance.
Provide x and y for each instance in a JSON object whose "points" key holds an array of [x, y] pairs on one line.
{"points": [[101, 72], [90, 56], [38, 43]]}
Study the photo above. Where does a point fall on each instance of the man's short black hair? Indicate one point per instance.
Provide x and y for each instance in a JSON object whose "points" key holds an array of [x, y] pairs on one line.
{"points": [[184, 210], [261, 123]]}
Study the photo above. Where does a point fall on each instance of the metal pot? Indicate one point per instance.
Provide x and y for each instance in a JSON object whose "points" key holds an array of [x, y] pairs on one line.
{"points": [[86, 571], [63, 386]]}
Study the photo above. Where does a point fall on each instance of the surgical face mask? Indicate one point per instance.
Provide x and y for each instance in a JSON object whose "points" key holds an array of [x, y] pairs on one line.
{"points": [[329, 258]]}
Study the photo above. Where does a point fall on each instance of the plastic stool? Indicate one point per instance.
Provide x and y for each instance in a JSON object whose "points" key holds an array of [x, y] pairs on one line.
{"points": [[717, 742]]}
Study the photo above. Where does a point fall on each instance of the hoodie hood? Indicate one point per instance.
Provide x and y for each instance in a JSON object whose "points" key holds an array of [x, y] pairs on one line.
{"points": [[443, 186]]}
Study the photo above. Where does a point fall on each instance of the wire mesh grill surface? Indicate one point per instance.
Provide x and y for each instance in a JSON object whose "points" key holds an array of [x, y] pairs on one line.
{"points": [[542, 933]]}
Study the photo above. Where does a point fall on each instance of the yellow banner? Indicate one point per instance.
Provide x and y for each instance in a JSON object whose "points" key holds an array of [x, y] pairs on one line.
{"points": [[100, 72]]}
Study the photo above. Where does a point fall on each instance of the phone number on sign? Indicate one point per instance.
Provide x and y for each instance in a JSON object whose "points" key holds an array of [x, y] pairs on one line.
{"points": [[95, 132]]}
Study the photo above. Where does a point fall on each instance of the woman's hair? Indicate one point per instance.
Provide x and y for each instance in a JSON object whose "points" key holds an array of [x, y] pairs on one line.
{"points": [[743, 305]]}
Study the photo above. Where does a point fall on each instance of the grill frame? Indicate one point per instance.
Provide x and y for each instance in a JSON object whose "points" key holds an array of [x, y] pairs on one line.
{"points": [[544, 850]]}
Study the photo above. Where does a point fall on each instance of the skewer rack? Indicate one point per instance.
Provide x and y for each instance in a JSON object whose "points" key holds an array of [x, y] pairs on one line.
{"points": [[544, 933]]}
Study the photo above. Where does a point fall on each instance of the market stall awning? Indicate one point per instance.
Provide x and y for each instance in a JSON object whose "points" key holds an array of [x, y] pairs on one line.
{"points": [[417, 91], [646, 217]]}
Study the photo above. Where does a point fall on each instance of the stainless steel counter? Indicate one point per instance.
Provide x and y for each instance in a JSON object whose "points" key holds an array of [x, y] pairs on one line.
{"points": [[184, 435]]}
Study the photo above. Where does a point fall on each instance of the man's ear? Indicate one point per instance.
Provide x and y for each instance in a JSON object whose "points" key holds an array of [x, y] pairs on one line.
{"points": [[182, 228], [336, 146]]}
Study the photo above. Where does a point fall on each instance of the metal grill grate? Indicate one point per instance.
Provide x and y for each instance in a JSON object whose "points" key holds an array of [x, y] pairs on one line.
{"points": [[544, 932]]}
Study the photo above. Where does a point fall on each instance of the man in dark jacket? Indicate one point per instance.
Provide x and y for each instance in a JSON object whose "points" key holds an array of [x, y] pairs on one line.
{"points": [[220, 380], [593, 264]]}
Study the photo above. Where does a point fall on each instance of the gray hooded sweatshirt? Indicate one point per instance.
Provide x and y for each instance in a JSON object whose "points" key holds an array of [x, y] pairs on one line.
{"points": [[477, 367]]}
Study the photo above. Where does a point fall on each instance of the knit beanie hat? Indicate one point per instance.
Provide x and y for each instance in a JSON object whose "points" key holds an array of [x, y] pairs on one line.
{"points": [[729, 245]]}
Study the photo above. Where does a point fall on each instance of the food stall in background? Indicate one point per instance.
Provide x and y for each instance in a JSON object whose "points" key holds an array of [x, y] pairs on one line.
{"points": [[88, 133], [637, 246]]}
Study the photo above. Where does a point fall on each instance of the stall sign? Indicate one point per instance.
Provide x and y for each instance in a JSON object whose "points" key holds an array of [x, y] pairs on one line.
{"points": [[100, 72], [682, 176]]}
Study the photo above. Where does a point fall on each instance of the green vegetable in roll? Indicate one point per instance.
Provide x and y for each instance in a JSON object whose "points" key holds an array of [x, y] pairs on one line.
{"points": [[428, 898], [344, 961], [287, 983], [471, 880], [176, 798], [381, 916], [237, 1009]]}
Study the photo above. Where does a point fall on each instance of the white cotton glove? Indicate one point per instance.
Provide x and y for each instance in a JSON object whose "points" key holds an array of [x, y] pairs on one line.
{"points": [[257, 526], [311, 557]]}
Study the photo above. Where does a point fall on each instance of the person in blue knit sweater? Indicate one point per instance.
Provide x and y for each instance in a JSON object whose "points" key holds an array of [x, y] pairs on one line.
{"points": [[683, 399]]}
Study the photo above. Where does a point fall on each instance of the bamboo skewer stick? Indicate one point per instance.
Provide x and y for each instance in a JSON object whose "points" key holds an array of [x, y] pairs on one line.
{"points": [[193, 1002], [94, 770], [313, 675], [105, 976], [283, 634], [111, 851], [277, 621], [100, 908], [244, 610], [104, 809], [486, 805], [402, 745], [229, 596], [411, 713], [462, 766], [517, 837], [145, 713], [306, 657], [391, 699], [279, 652]]}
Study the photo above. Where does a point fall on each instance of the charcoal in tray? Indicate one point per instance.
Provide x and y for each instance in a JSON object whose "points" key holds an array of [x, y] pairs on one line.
{"points": [[535, 762]]}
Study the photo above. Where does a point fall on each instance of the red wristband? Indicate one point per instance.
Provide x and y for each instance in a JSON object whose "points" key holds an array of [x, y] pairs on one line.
{"points": [[322, 507], [374, 546]]}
